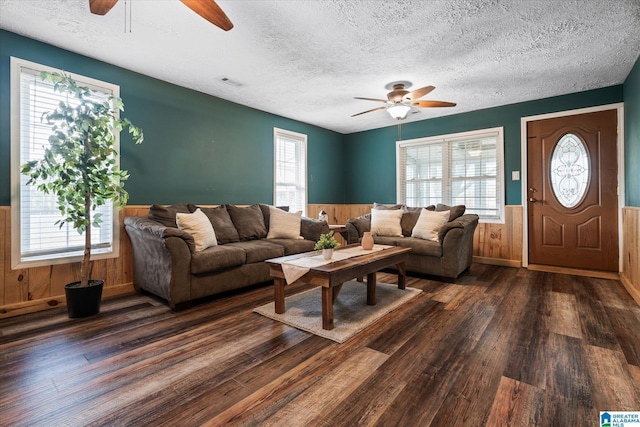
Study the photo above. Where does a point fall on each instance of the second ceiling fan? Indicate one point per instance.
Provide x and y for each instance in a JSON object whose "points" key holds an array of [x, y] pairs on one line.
{"points": [[399, 101], [208, 9]]}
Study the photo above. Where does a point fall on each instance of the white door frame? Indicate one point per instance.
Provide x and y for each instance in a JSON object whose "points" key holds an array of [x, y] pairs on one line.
{"points": [[619, 107]]}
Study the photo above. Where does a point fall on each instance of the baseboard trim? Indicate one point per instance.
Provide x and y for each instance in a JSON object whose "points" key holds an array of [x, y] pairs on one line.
{"points": [[575, 271], [498, 261], [33, 306], [635, 294]]}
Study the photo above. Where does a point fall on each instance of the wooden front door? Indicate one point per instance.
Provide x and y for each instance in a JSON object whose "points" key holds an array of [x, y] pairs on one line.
{"points": [[572, 187]]}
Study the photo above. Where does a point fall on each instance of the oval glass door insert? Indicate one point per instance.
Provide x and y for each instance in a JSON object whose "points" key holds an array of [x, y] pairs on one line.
{"points": [[569, 170]]}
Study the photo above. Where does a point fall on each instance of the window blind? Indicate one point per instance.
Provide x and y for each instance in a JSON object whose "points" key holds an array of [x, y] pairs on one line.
{"points": [[40, 238], [463, 169], [290, 176]]}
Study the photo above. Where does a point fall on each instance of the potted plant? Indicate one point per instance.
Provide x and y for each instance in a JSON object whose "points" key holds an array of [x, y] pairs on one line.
{"points": [[327, 244], [80, 169]]}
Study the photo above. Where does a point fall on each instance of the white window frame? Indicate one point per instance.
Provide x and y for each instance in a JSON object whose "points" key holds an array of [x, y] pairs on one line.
{"points": [[301, 169], [447, 141], [64, 255]]}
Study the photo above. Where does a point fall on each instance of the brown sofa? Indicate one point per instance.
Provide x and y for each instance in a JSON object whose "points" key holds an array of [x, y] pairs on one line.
{"points": [[166, 264], [447, 258]]}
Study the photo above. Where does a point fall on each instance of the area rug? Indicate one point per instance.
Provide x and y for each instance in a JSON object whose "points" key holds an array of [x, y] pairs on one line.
{"points": [[351, 313]]}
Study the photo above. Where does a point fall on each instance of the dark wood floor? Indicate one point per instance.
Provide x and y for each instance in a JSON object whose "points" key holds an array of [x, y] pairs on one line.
{"points": [[501, 346]]}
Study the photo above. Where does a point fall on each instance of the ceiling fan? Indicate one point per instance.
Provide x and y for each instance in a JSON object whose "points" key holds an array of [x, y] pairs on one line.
{"points": [[208, 9], [399, 101]]}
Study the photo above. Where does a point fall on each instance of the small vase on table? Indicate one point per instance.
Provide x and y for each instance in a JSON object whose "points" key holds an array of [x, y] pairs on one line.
{"points": [[327, 253], [367, 241]]}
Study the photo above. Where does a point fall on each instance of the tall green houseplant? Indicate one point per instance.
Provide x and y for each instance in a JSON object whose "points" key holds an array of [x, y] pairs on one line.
{"points": [[80, 166]]}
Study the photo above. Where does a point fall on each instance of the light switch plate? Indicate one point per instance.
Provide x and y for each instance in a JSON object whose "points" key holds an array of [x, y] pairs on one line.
{"points": [[515, 175]]}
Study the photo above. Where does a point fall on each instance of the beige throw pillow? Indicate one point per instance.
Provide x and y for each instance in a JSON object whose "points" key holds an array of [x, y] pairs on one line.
{"points": [[284, 225], [386, 222], [198, 225], [429, 224]]}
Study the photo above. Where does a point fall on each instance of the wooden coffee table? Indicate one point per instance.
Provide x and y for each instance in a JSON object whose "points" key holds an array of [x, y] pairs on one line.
{"points": [[331, 276]]}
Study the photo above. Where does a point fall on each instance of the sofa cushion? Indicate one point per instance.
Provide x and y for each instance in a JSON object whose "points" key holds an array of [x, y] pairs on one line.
{"points": [[259, 250], [283, 224], [421, 247], [294, 246], [454, 211], [197, 224], [222, 225], [166, 215], [217, 258], [429, 224], [249, 222], [410, 217], [386, 222], [386, 240]]}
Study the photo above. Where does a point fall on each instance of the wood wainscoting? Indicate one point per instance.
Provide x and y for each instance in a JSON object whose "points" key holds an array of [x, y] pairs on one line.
{"points": [[35, 289], [27, 290], [630, 275]]}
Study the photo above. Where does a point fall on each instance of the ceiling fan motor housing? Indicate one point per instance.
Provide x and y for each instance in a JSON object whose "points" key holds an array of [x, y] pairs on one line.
{"points": [[397, 94]]}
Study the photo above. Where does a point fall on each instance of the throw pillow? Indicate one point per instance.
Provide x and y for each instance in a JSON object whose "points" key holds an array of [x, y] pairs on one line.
{"points": [[455, 211], [166, 215], [386, 222], [198, 225], [248, 221], [410, 217], [283, 225], [222, 224], [265, 212], [429, 224]]}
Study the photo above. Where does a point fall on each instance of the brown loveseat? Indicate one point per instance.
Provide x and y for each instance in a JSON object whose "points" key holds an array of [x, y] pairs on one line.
{"points": [[166, 263], [448, 257]]}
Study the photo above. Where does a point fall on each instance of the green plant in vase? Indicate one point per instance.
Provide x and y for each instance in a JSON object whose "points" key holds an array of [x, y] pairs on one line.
{"points": [[327, 243], [80, 164]]}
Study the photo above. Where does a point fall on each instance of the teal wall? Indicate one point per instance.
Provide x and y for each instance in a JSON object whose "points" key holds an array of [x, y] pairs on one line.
{"points": [[197, 148], [632, 135], [203, 149], [372, 170]]}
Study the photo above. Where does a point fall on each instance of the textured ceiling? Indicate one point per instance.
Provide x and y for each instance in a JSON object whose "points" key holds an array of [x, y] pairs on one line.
{"points": [[306, 60]]}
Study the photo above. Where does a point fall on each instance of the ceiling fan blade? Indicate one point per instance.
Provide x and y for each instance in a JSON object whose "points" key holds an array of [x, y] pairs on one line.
{"points": [[101, 7], [428, 104], [418, 93], [368, 111], [372, 99], [210, 11]]}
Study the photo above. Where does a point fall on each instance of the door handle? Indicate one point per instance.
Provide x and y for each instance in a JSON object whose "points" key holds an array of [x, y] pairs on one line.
{"points": [[533, 199]]}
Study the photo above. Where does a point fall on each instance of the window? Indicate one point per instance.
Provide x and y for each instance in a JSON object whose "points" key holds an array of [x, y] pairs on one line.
{"points": [[569, 171], [35, 238], [458, 169], [290, 170]]}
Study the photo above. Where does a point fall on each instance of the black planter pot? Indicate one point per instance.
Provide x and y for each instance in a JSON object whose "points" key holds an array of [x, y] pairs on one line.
{"points": [[83, 301]]}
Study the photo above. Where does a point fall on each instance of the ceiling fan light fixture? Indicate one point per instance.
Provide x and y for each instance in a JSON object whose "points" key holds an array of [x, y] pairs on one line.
{"points": [[398, 111]]}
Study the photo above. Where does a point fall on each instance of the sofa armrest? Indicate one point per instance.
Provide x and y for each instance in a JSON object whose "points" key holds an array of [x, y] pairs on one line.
{"points": [[352, 233], [161, 259], [356, 228], [457, 245], [311, 229], [464, 221], [157, 229]]}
